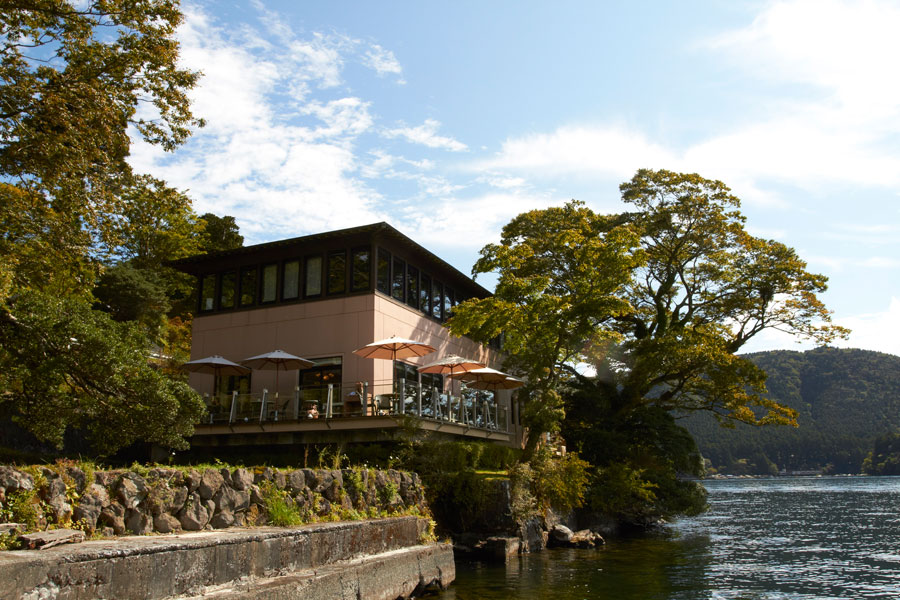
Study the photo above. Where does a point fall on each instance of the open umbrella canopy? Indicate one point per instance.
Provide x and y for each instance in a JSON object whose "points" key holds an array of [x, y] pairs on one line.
{"points": [[278, 360], [394, 348], [509, 383], [215, 365], [451, 365], [486, 374]]}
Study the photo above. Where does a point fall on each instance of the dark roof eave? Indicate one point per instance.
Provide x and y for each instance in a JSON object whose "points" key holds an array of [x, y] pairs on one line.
{"points": [[372, 228]]}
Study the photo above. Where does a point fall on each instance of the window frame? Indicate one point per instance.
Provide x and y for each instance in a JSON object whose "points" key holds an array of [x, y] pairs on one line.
{"points": [[307, 272], [331, 258], [254, 293], [354, 253], [233, 274], [284, 280], [214, 296], [262, 283], [383, 254]]}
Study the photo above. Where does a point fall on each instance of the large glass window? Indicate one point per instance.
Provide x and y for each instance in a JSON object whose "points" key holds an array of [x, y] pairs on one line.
{"points": [[248, 286], [437, 300], [360, 270], [229, 282], [449, 302], [412, 286], [313, 270], [291, 285], [314, 385], [208, 292], [384, 271], [269, 283], [425, 294], [397, 283], [337, 272], [432, 381], [407, 373]]}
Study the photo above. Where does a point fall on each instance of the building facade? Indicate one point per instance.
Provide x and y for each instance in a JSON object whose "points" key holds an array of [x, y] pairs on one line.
{"points": [[320, 297]]}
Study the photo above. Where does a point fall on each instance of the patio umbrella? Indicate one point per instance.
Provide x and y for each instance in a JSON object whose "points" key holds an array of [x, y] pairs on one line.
{"points": [[451, 365], [278, 360], [217, 366], [394, 348], [486, 374], [509, 383]]}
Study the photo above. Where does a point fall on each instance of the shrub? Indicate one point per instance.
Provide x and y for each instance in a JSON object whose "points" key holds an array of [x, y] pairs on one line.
{"points": [[279, 506], [559, 482]]}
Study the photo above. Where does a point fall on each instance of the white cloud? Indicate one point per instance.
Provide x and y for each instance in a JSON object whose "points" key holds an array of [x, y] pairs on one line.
{"points": [[875, 331], [346, 116], [843, 263], [846, 48], [282, 168], [836, 120], [468, 223], [426, 134], [580, 150], [502, 182], [383, 62]]}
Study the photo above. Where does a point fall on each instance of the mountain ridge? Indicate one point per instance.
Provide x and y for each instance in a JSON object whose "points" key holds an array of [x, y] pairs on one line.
{"points": [[845, 399]]}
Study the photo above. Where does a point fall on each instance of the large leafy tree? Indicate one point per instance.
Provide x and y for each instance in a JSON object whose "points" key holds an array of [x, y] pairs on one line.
{"points": [[220, 233], [562, 276], [707, 287], [658, 301], [66, 365], [76, 78]]}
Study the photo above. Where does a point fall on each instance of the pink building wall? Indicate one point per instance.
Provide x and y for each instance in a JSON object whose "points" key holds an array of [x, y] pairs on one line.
{"points": [[325, 328]]}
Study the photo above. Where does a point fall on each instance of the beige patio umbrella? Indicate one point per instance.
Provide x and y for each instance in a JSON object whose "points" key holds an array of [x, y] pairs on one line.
{"points": [[279, 360], [451, 365], [486, 374], [509, 383], [216, 366], [393, 348]]}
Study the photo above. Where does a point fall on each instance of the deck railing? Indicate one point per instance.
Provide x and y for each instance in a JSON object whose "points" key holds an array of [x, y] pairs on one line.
{"points": [[341, 400]]}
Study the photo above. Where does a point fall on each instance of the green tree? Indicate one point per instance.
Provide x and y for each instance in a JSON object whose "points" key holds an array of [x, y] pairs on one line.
{"points": [[75, 79], [67, 365], [706, 289], [221, 233], [562, 273], [658, 300], [157, 225], [130, 294]]}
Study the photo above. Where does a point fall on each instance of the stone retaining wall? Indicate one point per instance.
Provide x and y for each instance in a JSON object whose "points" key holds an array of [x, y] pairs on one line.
{"points": [[168, 500], [378, 559]]}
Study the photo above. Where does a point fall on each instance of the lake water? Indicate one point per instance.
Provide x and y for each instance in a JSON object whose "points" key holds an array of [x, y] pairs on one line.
{"points": [[787, 538]]}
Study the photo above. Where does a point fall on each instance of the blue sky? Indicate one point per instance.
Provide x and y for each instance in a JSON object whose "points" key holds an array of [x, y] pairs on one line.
{"points": [[448, 119]]}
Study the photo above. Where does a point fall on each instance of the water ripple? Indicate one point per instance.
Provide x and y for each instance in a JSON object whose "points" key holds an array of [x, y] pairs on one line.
{"points": [[778, 539]]}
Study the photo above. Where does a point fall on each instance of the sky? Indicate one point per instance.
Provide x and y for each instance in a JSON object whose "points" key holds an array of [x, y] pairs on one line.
{"points": [[447, 119]]}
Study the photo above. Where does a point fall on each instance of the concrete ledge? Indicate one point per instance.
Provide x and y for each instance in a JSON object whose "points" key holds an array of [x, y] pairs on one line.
{"points": [[150, 567], [386, 576]]}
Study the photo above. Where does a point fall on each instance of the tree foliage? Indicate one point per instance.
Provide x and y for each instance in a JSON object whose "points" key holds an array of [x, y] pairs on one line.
{"points": [[220, 233], [658, 300], [76, 79], [67, 365], [562, 273], [707, 288]]}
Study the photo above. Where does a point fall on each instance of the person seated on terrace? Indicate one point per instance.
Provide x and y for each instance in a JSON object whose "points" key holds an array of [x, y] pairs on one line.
{"points": [[312, 412]]}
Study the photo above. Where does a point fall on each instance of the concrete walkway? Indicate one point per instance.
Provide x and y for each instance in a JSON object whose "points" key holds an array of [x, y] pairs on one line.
{"points": [[361, 559]]}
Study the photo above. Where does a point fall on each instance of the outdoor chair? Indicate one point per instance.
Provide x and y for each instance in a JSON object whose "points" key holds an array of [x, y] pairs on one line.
{"points": [[385, 403], [276, 408]]}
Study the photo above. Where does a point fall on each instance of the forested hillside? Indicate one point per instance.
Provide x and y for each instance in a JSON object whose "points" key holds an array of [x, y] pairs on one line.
{"points": [[845, 399]]}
